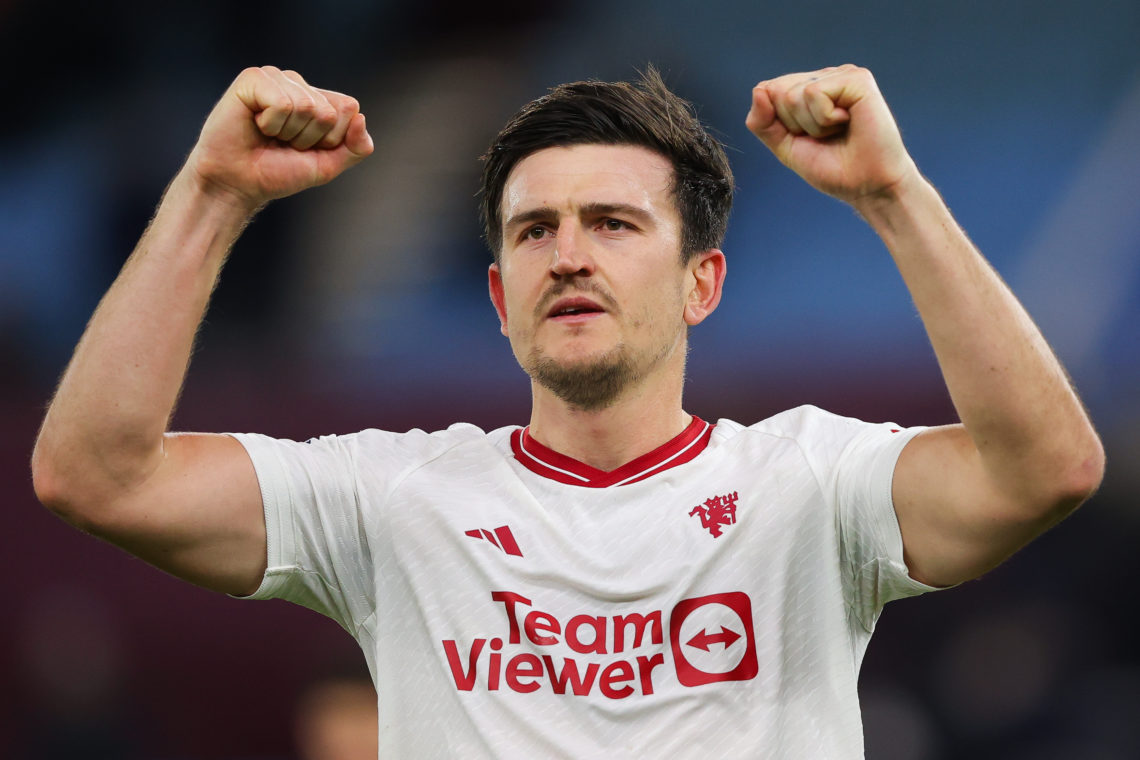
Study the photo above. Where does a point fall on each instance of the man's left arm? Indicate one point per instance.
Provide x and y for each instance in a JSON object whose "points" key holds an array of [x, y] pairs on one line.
{"points": [[1025, 454]]}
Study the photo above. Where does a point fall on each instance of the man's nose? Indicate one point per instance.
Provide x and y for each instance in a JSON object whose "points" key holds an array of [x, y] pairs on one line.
{"points": [[571, 252]]}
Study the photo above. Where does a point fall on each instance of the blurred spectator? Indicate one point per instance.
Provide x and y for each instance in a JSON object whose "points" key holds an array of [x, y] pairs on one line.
{"points": [[336, 720]]}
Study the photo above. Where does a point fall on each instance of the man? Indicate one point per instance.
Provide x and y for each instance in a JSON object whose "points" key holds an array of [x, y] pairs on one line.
{"points": [[619, 578]]}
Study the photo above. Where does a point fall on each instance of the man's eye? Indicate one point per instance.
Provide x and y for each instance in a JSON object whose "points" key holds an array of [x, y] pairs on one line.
{"points": [[536, 233], [615, 225]]}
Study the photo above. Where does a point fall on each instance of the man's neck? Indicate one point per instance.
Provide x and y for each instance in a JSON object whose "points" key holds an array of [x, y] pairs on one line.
{"points": [[640, 421]]}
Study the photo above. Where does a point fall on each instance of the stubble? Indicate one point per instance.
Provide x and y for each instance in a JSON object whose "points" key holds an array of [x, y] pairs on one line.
{"points": [[597, 382], [588, 386]]}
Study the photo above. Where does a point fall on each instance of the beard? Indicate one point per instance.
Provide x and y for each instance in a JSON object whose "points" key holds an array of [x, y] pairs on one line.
{"points": [[588, 385], [596, 382]]}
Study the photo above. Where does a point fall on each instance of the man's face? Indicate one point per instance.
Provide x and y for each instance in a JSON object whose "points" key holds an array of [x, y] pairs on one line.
{"points": [[590, 287]]}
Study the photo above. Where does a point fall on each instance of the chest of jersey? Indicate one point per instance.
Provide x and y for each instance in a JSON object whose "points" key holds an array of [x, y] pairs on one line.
{"points": [[712, 573]]}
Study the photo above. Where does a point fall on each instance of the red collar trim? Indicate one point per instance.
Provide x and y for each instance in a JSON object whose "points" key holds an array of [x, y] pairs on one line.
{"points": [[550, 464]]}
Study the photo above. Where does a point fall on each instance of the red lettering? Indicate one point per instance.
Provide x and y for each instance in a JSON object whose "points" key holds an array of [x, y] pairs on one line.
{"points": [[463, 681], [578, 684], [638, 622], [509, 598], [598, 645], [616, 672], [524, 671], [523, 666], [495, 666], [645, 666], [539, 621]]}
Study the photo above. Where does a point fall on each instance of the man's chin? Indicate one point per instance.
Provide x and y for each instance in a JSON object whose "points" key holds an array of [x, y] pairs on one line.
{"points": [[587, 383]]}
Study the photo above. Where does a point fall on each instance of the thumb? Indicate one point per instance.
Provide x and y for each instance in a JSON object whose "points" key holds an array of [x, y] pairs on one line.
{"points": [[356, 146], [762, 120], [357, 141]]}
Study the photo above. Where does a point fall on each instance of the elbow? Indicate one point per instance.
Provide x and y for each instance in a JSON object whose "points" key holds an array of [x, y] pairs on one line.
{"points": [[50, 485], [45, 482], [1089, 471], [66, 498], [88, 491], [1053, 485], [1080, 476]]}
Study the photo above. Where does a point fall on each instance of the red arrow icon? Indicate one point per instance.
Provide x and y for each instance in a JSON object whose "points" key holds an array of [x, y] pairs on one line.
{"points": [[703, 639]]}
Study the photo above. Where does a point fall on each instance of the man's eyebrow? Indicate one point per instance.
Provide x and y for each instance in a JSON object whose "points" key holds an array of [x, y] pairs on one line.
{"points": [[618, 209], [540, 214], [597, 208]]}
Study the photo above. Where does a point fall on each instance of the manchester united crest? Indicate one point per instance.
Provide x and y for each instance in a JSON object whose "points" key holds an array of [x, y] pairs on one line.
{"points": [[716, 513]]}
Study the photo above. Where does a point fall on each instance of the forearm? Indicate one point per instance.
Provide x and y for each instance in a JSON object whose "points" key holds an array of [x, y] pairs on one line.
{"points": [[1012, 395], [104, 428]]}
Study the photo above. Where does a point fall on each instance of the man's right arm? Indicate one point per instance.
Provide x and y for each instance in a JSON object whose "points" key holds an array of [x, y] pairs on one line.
{"points": [[187, 503]]}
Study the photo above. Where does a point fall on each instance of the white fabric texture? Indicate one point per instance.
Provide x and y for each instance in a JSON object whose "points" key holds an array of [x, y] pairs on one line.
{"points": [[719, 608]]}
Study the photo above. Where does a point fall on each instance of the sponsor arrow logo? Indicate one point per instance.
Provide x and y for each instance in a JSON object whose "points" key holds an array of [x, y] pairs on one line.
{"points": [[703, 639]]}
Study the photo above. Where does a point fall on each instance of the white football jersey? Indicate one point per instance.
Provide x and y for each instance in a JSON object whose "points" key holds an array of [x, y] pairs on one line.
{"points": [[712, 598]]}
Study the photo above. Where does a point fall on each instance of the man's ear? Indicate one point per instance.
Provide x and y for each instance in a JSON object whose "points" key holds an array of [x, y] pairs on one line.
{"points": [[498, 299], [708, 269]]}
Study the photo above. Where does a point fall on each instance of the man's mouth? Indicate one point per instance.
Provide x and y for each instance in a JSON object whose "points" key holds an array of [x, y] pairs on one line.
{"points": [[575, 307]]}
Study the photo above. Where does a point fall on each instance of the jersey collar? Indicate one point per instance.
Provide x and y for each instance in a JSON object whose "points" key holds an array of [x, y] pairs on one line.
{"points": [[550, 464]]}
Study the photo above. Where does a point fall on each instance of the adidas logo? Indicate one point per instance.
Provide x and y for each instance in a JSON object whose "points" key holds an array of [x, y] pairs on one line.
{"points": [[501, 537]]}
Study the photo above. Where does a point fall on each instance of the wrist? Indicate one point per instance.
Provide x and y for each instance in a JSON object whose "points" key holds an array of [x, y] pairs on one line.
{"points": [[884, 210], [198, 220], [193, 185]]}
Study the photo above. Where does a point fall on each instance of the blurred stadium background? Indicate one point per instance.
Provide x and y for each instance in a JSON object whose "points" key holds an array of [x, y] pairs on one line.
{"points": [[363, 304]]}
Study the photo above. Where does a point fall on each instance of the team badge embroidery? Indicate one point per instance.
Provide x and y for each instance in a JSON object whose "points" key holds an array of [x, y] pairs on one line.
{"points": [[716, 513]]}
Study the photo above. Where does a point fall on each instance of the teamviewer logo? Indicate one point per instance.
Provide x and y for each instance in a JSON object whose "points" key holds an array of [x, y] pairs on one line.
{"points": [[712, 639]]}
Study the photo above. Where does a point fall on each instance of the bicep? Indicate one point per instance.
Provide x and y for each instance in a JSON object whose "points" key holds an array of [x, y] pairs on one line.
{"points": [[198, 516], [955, 523]]}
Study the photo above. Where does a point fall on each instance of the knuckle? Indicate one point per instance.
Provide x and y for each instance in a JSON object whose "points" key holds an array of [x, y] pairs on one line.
{"points": [[250, 74], [281, 102], [349, 104]]}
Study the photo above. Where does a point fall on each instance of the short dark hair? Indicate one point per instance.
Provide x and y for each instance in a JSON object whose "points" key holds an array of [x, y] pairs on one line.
{"points": [[645, 114]]}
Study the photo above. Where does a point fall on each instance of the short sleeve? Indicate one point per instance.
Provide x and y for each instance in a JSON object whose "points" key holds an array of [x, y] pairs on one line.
{"points": [[854, 465], [318, 553], [326, 503], [870, 539]]}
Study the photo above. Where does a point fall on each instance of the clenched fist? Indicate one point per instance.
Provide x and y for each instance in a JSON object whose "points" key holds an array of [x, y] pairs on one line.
{"points": [[833, 128], [272, 134]]}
